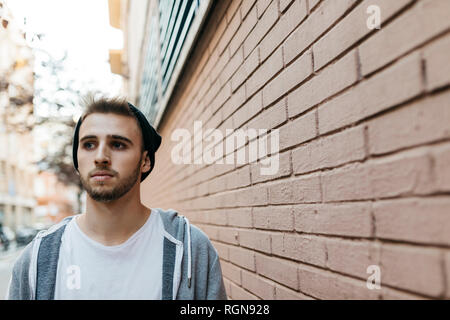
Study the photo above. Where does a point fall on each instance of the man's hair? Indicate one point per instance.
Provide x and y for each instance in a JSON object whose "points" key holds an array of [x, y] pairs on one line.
{"points": [[115, 105]]}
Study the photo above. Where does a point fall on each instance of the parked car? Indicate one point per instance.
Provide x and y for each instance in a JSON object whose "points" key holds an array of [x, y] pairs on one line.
{"points": [[25, 235], [4, 241], [10, 235]]}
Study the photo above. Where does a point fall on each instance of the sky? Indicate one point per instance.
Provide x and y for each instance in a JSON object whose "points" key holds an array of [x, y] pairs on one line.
{"points": [[79, 26]]}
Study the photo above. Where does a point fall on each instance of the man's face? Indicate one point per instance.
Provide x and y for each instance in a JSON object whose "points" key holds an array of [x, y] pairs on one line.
{"points": [[109, 155]]}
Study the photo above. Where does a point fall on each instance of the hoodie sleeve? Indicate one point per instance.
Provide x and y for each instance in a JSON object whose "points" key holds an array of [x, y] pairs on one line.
{"points": [[19, 285], [216, 287]]}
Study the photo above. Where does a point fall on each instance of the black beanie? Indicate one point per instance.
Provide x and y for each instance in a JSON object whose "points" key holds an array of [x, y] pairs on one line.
{"points": [[152, 140]]}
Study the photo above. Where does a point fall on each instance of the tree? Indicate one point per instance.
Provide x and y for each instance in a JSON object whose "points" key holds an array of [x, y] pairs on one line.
{"points": [[58, 94]]}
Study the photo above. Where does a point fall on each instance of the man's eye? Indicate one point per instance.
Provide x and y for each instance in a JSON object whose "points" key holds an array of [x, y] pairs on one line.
{"points": [[88, 145], [118, 145]]}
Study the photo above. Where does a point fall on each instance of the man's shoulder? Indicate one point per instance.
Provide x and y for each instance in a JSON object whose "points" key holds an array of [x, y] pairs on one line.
{"points": [[174, 222], [54, 228]]}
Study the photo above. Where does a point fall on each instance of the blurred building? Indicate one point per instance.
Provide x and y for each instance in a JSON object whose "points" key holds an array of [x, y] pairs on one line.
{"points": [[17, 172], [55, 200]]}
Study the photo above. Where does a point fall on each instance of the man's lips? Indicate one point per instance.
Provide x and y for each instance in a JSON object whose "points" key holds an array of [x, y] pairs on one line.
{"points": [[102, 175]]}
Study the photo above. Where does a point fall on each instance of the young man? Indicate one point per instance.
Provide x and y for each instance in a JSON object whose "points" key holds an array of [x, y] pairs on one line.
{"points": [[118, 248]]}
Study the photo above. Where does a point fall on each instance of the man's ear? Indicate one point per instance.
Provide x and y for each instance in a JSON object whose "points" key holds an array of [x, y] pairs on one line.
{"points": [[145, 165]]}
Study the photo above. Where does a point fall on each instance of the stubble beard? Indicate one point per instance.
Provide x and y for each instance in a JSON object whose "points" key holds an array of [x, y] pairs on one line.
{"points": [[97, 194]]}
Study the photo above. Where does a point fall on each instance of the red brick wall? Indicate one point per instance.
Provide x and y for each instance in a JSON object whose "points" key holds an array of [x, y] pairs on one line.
{"points": [[364, 131]]}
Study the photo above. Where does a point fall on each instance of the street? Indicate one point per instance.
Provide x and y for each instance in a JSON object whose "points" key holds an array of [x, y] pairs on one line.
{"points": [[7, 260]]}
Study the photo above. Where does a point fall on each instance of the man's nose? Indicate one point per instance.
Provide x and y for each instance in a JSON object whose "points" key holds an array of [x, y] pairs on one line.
{"points": [[102, 156]]}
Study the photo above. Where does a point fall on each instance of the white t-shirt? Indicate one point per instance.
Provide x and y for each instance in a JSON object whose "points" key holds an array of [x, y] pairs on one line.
{"points": [[88, 269]]}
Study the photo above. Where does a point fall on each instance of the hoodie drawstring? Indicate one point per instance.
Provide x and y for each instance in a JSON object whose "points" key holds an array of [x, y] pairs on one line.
{"points": [[189, 251]]}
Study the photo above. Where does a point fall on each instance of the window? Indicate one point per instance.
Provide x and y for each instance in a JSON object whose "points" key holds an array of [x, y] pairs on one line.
{"points": [[171, 32]]}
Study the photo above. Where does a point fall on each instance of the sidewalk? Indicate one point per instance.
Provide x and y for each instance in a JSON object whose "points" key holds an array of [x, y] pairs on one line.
{"points": [[7, 259]]}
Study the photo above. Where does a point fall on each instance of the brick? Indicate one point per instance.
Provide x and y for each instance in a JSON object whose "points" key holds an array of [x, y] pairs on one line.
{"points": [[303, 248], [392, 294], [233, 64], [216, 217], [284, 169], [328, 82], [257, 240], [246, 6], [231, 272], [405, 33], [243, 257], [262, 6], [211, 231], [221, 97], [438, 63], [203, 90], [299, 130], [391, 87], [211, 93], [269, 118], [287, 23], [409, 173], [222, 250], [262, 27], [244, 71], [353, 220], [349, 183], [351, 29], [259, 286], [236, 100], [351, 257], [228, 235], [283, 293], [298, 190], [317, 23], [251, 196], [251, 108], [238, 178], [313, 4], [425, 121], [216, 185], [246, 27], [220, 29], [282, 271], [265, 72], [414, 220], [237, 293], [231, 29], [288, 79], [441, 159], [227, 284], [325, 285], [284, 4], [404, 174], [217, 69], [240, 217], [274, 218], [232, 9], [411, 268], [447, 273], [330, 151]]}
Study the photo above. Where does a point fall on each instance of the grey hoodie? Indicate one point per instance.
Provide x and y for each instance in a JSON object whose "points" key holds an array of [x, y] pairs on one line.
{"points": [[191, 267]]}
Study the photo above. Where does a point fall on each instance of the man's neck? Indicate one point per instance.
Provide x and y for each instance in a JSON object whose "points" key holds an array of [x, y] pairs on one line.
{"points": [[114, 222]]}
